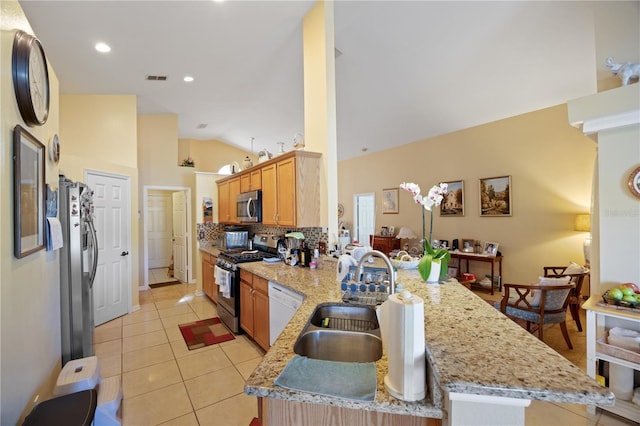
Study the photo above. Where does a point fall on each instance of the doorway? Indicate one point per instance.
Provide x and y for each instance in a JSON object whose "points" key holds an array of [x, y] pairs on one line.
{"points": [[364, 217], [167, 229]]}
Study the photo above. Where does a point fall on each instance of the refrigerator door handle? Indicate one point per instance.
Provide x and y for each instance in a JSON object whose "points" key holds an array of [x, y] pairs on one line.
{"points": [[94, 260]]}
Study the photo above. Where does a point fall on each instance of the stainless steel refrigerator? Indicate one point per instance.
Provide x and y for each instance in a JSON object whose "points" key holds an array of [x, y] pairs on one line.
{"points": [[78, 263]]}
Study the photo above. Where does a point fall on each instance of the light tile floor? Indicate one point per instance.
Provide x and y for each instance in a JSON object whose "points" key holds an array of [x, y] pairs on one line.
{"points": [[160, 275], [166, 384], [163, 382]]}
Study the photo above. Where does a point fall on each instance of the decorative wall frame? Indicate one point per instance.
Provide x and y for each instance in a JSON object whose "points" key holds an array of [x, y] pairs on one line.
{"points": [[28, 193], [390, 201], [453, 203], [495, 196], [634, 182]]}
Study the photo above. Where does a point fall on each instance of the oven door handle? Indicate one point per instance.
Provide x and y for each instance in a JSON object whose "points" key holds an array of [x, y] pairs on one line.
{"points": [[228, 278]]}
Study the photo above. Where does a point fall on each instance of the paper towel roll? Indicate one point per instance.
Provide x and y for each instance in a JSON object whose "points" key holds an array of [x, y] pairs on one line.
{"points": [[401, 320], [344, 262]]}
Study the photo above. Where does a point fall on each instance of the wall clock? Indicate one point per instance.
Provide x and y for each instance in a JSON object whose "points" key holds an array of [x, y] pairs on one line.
{"points": [[30, 79], [634, 182]]}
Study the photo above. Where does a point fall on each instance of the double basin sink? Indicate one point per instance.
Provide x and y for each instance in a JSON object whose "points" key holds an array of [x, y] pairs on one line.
{"points": [[341, 332]]}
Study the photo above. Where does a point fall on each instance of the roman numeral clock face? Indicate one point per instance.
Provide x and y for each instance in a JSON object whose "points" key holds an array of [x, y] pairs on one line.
{"points": [[30, 79]]}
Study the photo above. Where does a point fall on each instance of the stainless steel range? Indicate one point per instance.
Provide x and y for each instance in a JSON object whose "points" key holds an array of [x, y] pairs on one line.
{"points": [[227, 276]]}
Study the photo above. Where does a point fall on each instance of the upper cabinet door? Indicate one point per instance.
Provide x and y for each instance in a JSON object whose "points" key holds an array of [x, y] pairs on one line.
{"points": [[269, 195], [286, 180]]}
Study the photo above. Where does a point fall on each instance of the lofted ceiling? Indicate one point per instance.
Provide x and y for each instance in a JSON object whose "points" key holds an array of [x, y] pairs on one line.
{"points": [[407, 70]]}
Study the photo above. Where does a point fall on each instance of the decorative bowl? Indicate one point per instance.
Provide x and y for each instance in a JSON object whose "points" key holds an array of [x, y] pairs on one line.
{"points": [[405, 261], [618, 302]]}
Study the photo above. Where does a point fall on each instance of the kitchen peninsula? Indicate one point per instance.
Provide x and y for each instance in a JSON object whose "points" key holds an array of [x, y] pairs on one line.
{"points": [[482, 368]]}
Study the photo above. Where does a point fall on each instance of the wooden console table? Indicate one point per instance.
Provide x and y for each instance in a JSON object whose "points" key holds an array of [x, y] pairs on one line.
{"points": [[480, 258]]}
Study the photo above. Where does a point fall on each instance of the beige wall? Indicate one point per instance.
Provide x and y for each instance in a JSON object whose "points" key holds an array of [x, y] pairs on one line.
{"points": [[551, 167], [98, 132], [30, 287], [101, 127], [320, 106], [212, 154], [616, 221], [160, 152]]}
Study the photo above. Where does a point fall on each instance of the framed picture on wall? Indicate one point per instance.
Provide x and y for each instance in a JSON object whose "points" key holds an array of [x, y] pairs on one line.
{"points": [[495, 196], [390, 201], [28, 193], [453, 203]]}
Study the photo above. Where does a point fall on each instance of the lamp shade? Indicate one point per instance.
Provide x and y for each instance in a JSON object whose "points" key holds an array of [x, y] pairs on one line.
{"points": [[406, 232], [583, 222]]}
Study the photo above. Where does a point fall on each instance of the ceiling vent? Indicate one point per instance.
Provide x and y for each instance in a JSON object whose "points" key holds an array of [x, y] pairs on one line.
{"points": [[156, 78], [202, 126]]}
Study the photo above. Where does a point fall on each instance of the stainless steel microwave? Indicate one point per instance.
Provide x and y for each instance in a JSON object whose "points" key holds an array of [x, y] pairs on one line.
{"points": [[249, 207]]}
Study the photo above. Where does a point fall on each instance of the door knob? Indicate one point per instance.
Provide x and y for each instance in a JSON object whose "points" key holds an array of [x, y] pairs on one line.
{"points": [[124, 253]]}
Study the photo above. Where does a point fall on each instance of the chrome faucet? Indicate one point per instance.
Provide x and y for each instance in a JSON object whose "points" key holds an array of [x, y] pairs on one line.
{"points": [[376, 253]]}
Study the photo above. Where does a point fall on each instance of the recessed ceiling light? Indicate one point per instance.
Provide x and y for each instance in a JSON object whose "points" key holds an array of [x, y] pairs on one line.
{"points": [[188, 79], [103, 47]]}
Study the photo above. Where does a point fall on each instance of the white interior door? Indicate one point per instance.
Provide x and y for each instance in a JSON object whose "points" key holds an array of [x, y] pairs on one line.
{"points": [[112, 285], [159, 229], [364, 217], [180, 236]]}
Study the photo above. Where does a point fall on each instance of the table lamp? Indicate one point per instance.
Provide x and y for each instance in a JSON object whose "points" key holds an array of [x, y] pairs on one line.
{"points": [[583, 224], [406, 233]]}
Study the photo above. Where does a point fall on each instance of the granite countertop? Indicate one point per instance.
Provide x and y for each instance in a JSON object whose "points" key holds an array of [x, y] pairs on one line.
{"points": [[214, 250], [471, 348]]}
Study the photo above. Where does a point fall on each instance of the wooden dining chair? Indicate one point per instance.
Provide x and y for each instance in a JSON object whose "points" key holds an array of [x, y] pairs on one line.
{"points": [[577, 278], [537, 304]]}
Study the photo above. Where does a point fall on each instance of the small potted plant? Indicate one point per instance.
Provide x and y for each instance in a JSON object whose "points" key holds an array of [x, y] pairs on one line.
{"points": [[188, 162]]}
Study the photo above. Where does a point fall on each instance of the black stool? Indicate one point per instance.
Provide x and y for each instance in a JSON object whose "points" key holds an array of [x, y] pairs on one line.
{"points": [[74, 409]]}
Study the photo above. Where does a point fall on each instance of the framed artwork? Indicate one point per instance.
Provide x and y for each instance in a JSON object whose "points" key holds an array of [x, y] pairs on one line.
{"points": [[467, 246], [390, 201], [453, 203], [452, 271], [28, 193], [392, 231], [490, 248], [495, 196], [384, 231]]}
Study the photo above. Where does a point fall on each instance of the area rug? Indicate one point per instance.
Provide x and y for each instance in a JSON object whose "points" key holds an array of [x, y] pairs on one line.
{"points": [[206, 332], [164, 284]]}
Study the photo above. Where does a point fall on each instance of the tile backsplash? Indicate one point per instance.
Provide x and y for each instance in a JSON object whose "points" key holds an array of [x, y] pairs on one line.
{"points": [[212, 232]]}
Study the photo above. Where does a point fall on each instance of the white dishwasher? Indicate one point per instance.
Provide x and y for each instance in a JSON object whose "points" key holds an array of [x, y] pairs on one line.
{"points": [[283, 303]]}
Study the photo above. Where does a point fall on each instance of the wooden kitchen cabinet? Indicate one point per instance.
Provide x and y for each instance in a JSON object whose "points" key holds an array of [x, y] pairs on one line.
{"points": [[291, 190], [227, 194], [208, 281], [254, 307], [251, 181], [383, 243], [290, 185]]}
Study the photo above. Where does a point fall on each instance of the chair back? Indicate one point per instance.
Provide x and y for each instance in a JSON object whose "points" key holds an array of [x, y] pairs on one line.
{"points": [[553, 299], [576, 279]]}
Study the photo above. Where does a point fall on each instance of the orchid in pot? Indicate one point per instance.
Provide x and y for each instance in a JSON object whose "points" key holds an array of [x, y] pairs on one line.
{"points": [[430, 256]]}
